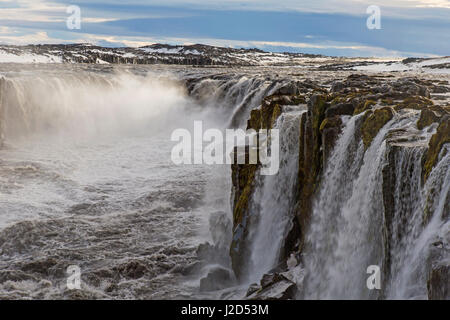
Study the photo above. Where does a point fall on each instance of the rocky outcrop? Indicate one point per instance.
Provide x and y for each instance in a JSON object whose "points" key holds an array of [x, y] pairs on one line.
{"points": [[441, 137], [439, 283], [279, 288], [243, 179], [277, 285], [379, 100], [217, 278], [373, 122], [310, 157]]}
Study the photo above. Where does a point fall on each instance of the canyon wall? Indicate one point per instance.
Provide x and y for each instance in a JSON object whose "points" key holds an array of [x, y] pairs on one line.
{"points": [[371, 188]]}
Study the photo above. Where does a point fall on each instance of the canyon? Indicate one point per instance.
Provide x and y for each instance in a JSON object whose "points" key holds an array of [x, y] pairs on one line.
{"points": [[363, 179]]}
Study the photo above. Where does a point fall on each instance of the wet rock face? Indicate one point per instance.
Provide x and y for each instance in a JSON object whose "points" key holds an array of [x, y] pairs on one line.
{"points": [[373, 122], [378, 100], [439, 283], [281, 290], [218, 278], [330, 130], [277, 285], [340, 109], [243, 179], [441, 137], [2, 84], [273, 286], [427, 117], [311, 155]]}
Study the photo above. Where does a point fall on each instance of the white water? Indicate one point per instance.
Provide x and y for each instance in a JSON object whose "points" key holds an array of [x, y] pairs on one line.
{"points": [[86, 178], [417, 244], [273, 200], [347, 235]]}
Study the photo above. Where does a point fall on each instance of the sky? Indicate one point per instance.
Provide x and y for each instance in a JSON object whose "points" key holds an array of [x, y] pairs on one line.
{"points": [[330, 27]]}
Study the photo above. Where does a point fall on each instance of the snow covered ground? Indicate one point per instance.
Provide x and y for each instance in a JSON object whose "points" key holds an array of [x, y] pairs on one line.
{"points": [[205, 55], [432, 65], [27, 57]]}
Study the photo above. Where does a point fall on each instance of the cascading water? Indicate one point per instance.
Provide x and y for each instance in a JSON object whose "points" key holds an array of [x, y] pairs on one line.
{"points": [[347, 236], [88, 155], [86, 103], [421, 243], [86, 178], [274, 199], [337, 188], [240, 93]]}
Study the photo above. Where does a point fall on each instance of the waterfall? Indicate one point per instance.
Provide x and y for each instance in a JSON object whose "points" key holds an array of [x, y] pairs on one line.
{"points": [[77, 104], [420, 239], [337, 188], [239, 93], [273, 201], [346, 234], [370, 207]]}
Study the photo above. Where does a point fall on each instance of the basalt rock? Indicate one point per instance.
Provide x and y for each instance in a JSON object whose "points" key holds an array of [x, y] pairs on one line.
{"points": [[310, 158], [441, 137], [363, 106], [330, 130], [414, 102], [337, 86], [243, 178], [218, 278], [411, 86], [427, 117], [373, 122], [340, 109], [379, 99], [439, 283]]}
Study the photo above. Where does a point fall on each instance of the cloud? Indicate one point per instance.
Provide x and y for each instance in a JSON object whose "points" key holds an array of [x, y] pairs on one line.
{"points": [[409, 27]]}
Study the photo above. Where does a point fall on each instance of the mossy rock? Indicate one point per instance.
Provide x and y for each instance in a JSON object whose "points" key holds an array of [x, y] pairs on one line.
{"points": [[368, 104], [373, 122], [414, 102], [276, 112], [336, 100], [318, 105], [441, 137], [427, 117], [387, 102], [298, 99], [246, 175], [255, 119], [333, 122]]}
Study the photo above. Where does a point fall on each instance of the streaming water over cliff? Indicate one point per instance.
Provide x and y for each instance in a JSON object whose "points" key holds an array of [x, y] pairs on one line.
{"points": [[241, 93], [86, 179], [273, 201], [351, 229], [426, 239]]}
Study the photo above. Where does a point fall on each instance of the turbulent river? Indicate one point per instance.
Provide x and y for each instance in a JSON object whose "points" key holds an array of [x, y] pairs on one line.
{"points": [[86, 179]]}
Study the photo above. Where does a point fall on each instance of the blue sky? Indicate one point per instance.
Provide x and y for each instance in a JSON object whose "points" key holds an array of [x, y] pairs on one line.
{"points": [[331, 27]]}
